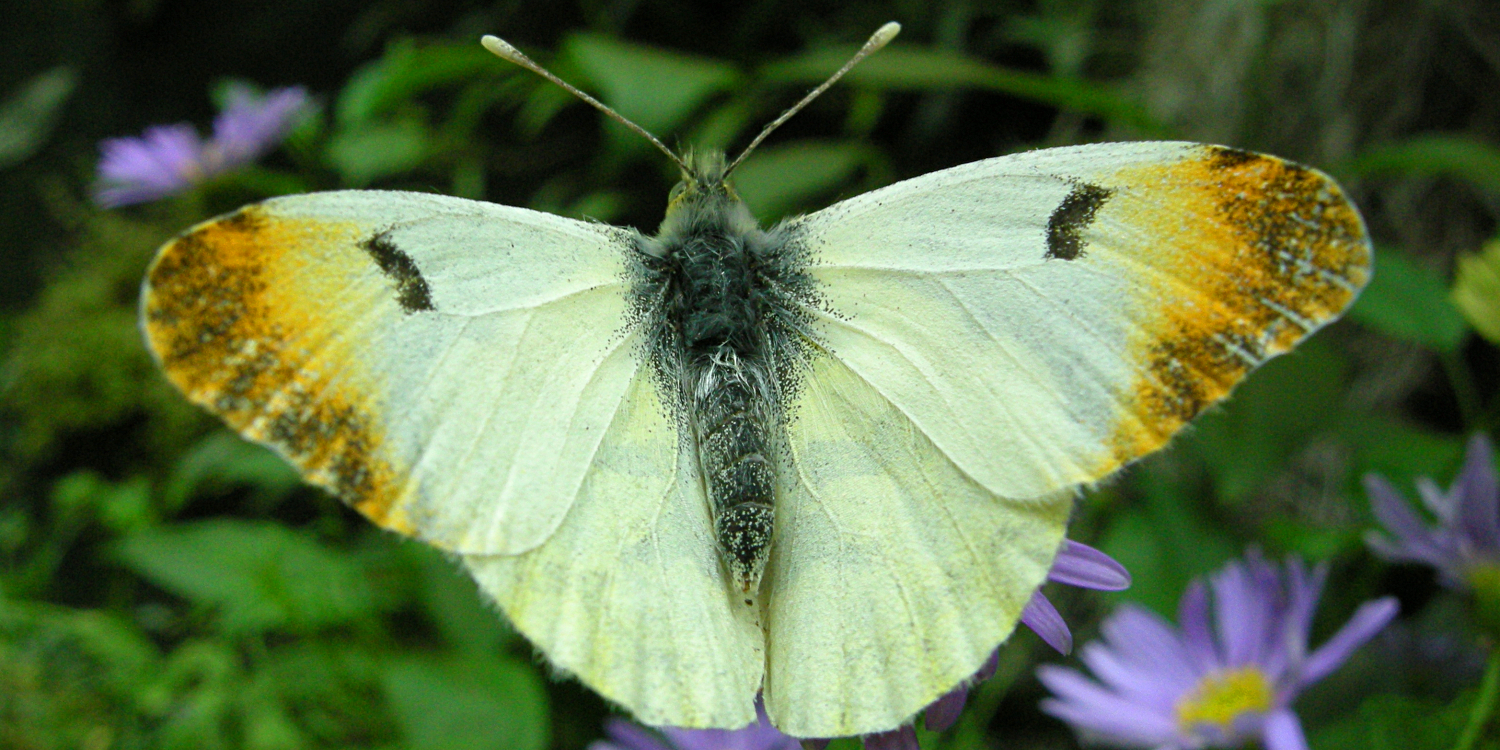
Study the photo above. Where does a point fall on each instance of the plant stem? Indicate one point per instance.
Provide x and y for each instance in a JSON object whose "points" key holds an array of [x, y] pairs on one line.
{"points": [[1484, 703]]}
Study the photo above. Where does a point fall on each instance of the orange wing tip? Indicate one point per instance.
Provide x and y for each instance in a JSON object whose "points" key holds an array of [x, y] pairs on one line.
{"points": [[1259, 253], [229, 308]]}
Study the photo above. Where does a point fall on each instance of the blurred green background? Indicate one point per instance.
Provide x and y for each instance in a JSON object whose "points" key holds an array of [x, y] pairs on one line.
{"points": [[165, 585]]}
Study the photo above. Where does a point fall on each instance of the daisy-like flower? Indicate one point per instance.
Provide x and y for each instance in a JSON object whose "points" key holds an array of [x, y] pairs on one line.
{"points": [[168, 159], [1221, 680], [1464, 545]]}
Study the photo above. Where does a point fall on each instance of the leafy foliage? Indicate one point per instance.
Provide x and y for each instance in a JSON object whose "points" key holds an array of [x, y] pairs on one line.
{"points": [[164, 584]]}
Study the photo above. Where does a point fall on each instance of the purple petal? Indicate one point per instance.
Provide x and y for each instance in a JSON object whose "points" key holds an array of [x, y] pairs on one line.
{"points": [[1478, 497], [163, 161], [1045, 621], [1144, 642], [1366, 622], [1283, 731], [757, 736], [1302, 593], [944, 712], [1090, 708], [1197, 634], [1131, 680], [1083, 566], [628, 736], [1414, 540], [251, 125], [900, 738], [1239, 612], [1441, 504]]}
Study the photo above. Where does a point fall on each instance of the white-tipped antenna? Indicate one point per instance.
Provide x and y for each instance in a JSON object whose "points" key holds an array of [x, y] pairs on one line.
{"points": [[503, 49], [880, 38]]}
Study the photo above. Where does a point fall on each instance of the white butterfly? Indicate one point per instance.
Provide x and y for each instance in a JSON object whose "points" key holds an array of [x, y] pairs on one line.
{"points": [[829, 461]]}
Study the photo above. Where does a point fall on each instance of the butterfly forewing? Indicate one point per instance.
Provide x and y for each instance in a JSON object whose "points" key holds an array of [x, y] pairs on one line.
{"points": [[421, 357], [1046, 317]]}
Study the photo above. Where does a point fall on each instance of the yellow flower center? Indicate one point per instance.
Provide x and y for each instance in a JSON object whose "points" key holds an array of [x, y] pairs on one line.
{"points": [[1220, 697]]}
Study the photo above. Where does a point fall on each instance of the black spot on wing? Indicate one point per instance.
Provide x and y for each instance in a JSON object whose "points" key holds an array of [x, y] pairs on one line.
{"points": [[1065, 226], [1224, 157], [411, 289]]}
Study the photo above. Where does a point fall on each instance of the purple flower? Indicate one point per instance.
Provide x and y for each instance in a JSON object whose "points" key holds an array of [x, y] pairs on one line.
{"points": [[168, 159], [624, 735], [1075, 565], [1219, 681], [1466, 539]]}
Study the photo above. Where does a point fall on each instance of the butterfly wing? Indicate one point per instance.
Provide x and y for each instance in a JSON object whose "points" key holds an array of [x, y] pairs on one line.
{"points": [[410, 353], [1049, 316], [629, 592], [894, 574], [1024, 325], [465, 373]]}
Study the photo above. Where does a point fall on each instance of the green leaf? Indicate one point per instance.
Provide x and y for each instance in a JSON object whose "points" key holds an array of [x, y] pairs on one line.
{"points": [[370, 152], [916, 69], [1396, 722], [1166, 541], [83, 496], [453, 602], [1409, 302], [654, 88], [1267, 417], [406, 71], [1401, 452], [1476, 290], [259, 576], [1471, 161], [477, 704], [222, 461], [779, 179], [27, 117]]}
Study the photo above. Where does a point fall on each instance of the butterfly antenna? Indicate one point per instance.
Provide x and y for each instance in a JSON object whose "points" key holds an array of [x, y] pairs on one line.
{"points": [[880, 38], [503, 49]]}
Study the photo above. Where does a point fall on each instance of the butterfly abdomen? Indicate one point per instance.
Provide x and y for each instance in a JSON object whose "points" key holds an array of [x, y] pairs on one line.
{"points": [[715, 289]]}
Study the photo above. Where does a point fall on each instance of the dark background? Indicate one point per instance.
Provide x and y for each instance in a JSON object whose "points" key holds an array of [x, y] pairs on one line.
{"points": [[163, 584]]}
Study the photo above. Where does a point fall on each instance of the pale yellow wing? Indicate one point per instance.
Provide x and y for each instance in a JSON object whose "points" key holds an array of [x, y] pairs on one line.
{"points": [[894, 575], [629, 594], [447, 367], [997, 335], [1046, 317]]}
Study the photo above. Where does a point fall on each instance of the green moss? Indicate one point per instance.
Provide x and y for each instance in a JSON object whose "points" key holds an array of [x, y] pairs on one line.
{"points": [[77, 370]]}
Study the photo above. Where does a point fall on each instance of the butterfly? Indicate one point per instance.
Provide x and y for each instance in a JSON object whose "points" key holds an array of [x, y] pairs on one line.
{"points": [[826, 462]]}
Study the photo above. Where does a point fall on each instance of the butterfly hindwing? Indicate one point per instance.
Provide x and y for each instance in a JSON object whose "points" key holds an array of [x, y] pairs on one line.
{"points": [[894, 575], [629, 593], [447, 367], [1045, 318]]}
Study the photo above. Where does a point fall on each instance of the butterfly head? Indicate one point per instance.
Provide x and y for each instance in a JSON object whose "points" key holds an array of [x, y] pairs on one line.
{"points": [[704, 195]]}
